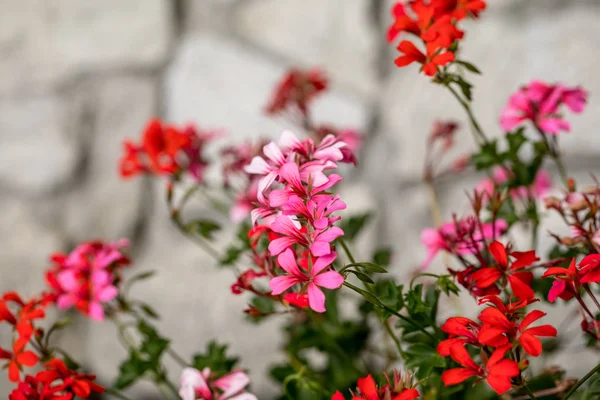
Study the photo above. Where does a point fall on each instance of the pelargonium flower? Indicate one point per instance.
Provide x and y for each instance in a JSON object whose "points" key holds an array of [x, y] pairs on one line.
{"points": [[462, 331], [402, 388], [296, 90], [567, 283], [315, 277], [493, 275], [431, 59], [201, 385], [86, 277], [61, 379], [497, 372], [540, 103], [17, 359], [590, 268], [461, 237], [166, 150], [541, 184]]}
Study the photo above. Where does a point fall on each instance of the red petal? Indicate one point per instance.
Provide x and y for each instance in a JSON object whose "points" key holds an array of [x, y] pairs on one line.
{"points": [[27, 358], [498, 251], [81, 389], [408, 394], [461, 356], [429, 69], [524, 259], [531, 344], [500, 383], [542, 330], [13, 372], [486, 277], [337, 396], [443, 59], [403, 61], [368, 388], [492, 336], [444, 346], [554, 271], [493, 316], [531, 318], [457, 375], [520, 289]]}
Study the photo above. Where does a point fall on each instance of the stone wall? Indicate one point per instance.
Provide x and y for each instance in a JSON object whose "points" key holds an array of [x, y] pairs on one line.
{"points": [[80, 76]]}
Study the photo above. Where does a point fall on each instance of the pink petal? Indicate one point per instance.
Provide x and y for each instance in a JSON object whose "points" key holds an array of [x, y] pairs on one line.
{"points": [[287, 261], [96, 311], [68, 281], [232, 383], [558, 286], [329, 280], [258, 166], [65, 301], [280, 284], [320, 248], [316, 298], [273, 152], [107, 293], [323, 262], [291, 174], [280, 244], [289, 140]]}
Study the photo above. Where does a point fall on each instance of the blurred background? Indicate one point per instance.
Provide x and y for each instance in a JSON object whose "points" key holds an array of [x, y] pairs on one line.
{"points": [[77, 77]]}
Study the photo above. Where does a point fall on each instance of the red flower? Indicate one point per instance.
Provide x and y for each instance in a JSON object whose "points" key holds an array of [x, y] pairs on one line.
{"points": [[244, 281], [498, 330], [567, 283], [19, 358], [82, 385], [297, 89], [519, 281], [497, 371], [461, 330], [400, 389], [590, 268], [297, 300], [435, 57]]}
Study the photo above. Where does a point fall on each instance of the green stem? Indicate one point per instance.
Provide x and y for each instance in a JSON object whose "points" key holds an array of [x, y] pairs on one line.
{"points": [[393, 312], [412, 281], [481, 138], [347, 250], [390, 332], [581, 381], [114, 393], [529, 392]]}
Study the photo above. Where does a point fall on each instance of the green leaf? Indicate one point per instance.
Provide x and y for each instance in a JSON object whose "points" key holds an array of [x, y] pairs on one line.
{"points": [[137, 278], [468, 66], [149, 311], [128, 374], [465, 87], [354, 225], [382, 256], [203, 227], [487, 157], [515, 140], [368, 296], [370, 267], [215, 357], [362, 276], [447, 285], [231, 256]]}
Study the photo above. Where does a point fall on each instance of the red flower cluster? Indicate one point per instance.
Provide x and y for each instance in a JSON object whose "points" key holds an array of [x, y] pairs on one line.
{"points": [[296, 90], [56, 382], [402, 388], [166, 150], [435, 23], [22, 321], [503, 327]]}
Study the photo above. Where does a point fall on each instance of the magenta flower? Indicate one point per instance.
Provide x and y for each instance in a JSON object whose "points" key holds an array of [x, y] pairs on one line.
{"points": [[539, 103], [197, 385], [462, 237], [268, 169], [541, 184], [319, 242], [86, 277], [314, 277]]}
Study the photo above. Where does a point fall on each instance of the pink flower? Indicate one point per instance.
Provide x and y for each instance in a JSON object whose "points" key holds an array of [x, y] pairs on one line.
{"points": [[539, 103], [318, 242], [541, 184], [314, 277], [462, 237], [85, 278], [196, 385], [268, 169]]}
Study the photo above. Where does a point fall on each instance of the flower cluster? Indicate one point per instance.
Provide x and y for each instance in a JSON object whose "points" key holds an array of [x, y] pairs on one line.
{"points": [[401, 388], [21, 316], [539, 103], [87, 277], [56, 382], [435, 24], [202, 385], [296, 90], [540, 187], [503, 330], [301, 211], [166, 150], [460, 237]]}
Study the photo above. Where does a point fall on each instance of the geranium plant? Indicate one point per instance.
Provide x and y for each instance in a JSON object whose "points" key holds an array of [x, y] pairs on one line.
{"points": [[293, 257]]}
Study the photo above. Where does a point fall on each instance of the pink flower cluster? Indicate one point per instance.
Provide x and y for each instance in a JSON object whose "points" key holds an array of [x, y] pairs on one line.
{"points": [[540, 187], [460, 237], [539, 103], [200, 385], [87, 277], [300, 211]]}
